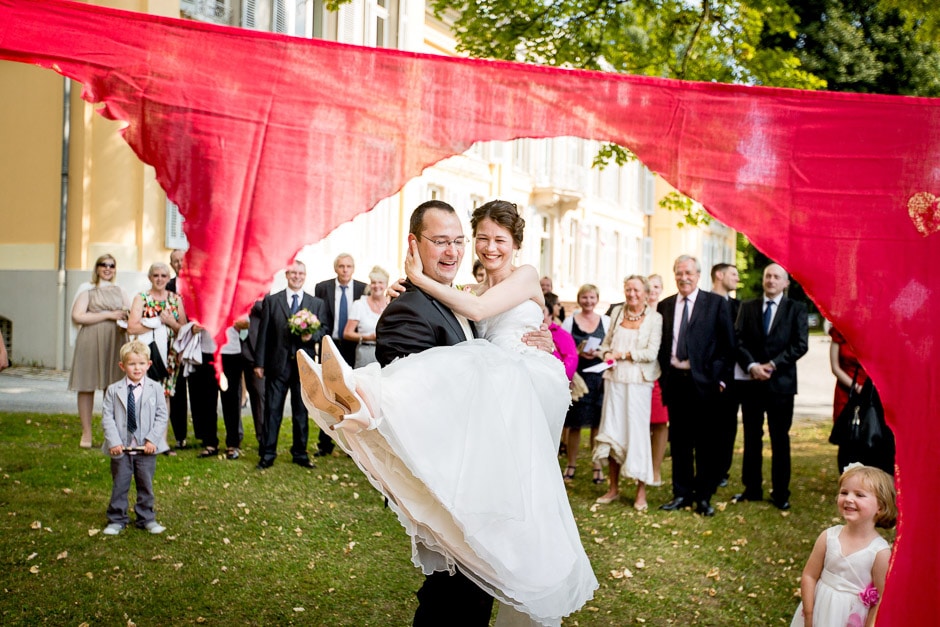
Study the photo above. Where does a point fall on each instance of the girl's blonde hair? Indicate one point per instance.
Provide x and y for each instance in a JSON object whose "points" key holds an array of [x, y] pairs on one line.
{"points": [[882, 485]]}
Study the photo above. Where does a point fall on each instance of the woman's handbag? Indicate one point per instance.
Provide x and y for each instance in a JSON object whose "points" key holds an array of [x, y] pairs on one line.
{"points": [[157, 370], [860, 423]]}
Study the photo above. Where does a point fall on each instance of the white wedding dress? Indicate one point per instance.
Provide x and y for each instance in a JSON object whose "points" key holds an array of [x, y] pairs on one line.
{"points": [[465, 451]]}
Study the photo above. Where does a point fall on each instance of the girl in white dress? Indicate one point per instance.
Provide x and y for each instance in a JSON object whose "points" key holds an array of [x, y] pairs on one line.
{"points": [[844, 577], [462, 439]]}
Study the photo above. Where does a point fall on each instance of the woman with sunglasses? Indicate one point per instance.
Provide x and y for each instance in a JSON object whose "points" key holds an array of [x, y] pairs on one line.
{"points": [[97, 309]]}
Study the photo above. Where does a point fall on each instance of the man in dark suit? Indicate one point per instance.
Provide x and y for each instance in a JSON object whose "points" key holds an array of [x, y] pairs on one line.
{"points": [[724, 281], [772, 334], [275, 360], [248, 332], [695, 356], [179, 402], [412, 323], [338, 295]]}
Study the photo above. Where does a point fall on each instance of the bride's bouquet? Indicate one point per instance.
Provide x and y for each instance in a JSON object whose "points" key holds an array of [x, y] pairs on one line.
{"points": [[303, 323]]}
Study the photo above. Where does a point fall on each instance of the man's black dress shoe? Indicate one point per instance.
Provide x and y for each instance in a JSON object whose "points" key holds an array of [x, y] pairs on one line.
{"points": [[263, 465], [305, 463], [784, 506], [705, 508], [676, 503], [744, 496]]}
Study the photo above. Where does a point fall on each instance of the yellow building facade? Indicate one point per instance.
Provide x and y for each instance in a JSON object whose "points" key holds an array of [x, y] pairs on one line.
{"points": [[70, 192]]}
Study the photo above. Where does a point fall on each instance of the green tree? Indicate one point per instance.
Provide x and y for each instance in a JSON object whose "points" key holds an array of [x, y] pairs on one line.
{"points": [[858, 46]]}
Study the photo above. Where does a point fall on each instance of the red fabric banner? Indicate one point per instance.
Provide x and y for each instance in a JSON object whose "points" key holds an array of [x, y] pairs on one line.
{"points": [[267, 143]]}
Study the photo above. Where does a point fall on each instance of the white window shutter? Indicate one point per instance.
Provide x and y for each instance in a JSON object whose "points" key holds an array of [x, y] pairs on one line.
{"points": [[175, 237]]}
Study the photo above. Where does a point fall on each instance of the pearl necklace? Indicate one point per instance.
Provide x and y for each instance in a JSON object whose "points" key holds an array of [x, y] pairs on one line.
{"points": [[632, 318]]}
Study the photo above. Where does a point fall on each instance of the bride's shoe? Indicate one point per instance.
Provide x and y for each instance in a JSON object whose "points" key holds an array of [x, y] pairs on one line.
{"points": [[313, 390], [340, 383], [338, 376]]}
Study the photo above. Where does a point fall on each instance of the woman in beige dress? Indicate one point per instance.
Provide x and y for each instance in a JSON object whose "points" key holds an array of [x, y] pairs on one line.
{"points": [[632, 346], [98, 307]]}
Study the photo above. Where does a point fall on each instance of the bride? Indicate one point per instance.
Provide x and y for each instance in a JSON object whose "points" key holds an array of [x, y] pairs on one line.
{"points": [[462, 439]]}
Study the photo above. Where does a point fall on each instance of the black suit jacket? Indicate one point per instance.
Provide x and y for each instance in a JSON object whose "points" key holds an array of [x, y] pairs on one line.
{"points": [[787, 341], [415, 322], [710, 342], [276, 345], [250, 343], [326, 291]]}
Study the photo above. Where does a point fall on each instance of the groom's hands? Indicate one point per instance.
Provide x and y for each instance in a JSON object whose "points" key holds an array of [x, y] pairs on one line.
{"points": [[541, 339]]}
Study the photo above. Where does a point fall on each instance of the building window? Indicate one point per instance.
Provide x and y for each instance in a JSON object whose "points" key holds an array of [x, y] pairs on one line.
{"points": [[435, 192], [175, 237]]}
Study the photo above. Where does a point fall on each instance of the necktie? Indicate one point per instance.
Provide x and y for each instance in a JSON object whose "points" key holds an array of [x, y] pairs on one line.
{"points": [[768, 315], [682, 347], [294, 303], [131, 410], [343, 311]]}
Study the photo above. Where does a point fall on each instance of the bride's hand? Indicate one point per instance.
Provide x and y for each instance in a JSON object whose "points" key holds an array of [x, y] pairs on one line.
{"points": [[414, 269]]}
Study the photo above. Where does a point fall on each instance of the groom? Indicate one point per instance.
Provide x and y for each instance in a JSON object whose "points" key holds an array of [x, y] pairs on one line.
{"points": [[415, 322]]}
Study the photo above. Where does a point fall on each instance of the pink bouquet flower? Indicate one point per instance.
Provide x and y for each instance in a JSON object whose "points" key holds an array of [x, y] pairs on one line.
{"points": [[869, 595], [303, 323]]}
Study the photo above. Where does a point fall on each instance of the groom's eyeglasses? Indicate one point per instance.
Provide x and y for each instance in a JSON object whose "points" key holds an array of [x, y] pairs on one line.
{"points": [[444, 244]]}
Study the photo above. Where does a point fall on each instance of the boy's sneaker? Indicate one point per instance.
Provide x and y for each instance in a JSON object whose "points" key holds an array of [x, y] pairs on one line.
{"points": [[112, 530], [154, 527]]}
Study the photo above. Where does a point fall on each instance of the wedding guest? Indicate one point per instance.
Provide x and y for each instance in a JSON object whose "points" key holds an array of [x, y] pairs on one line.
{"points": [[848, 370], [248, 332], [659, 415], [586, 411], [4, 357], [479, 273], [155, 317], [565, 349], [632, 344], [546, 284], [364, 315], [133, 417], [98, 307], [179, 402]]}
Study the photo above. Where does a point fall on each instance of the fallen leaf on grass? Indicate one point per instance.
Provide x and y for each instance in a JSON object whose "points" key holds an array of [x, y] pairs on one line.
{"points": [[226, 541], [299, 609], [640, 563], [355, 495], [34, 570], [714, 573], [35, 525], [31, 556], [377, 534], [177, 566], [66, 490], [213, 582], [89, 575], [62, 555]]}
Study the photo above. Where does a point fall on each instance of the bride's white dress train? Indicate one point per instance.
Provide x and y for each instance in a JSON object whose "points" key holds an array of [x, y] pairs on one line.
{"points": [[465, 451]]}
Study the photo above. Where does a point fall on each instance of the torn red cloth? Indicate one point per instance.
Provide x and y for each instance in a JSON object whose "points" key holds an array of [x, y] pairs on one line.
{"points": [[267, 143]]}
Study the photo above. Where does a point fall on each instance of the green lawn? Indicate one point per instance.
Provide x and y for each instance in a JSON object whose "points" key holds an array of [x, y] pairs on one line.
{"points": [[293, 546]]}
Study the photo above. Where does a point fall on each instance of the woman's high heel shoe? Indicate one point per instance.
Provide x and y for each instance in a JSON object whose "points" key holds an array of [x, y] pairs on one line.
{"points": [[313, 391], [338, 377]]}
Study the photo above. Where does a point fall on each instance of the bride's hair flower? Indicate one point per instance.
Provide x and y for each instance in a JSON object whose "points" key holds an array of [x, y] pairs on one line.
{"points": [[303, 322]]}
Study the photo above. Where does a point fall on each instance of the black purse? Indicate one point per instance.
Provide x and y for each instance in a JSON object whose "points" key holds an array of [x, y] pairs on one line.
{"points": [[157, 370], [860, 425]]}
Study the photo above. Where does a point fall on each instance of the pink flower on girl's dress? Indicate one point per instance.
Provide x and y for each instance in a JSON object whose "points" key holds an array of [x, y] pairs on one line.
{"points": [[855, 621], [869, 595]]}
